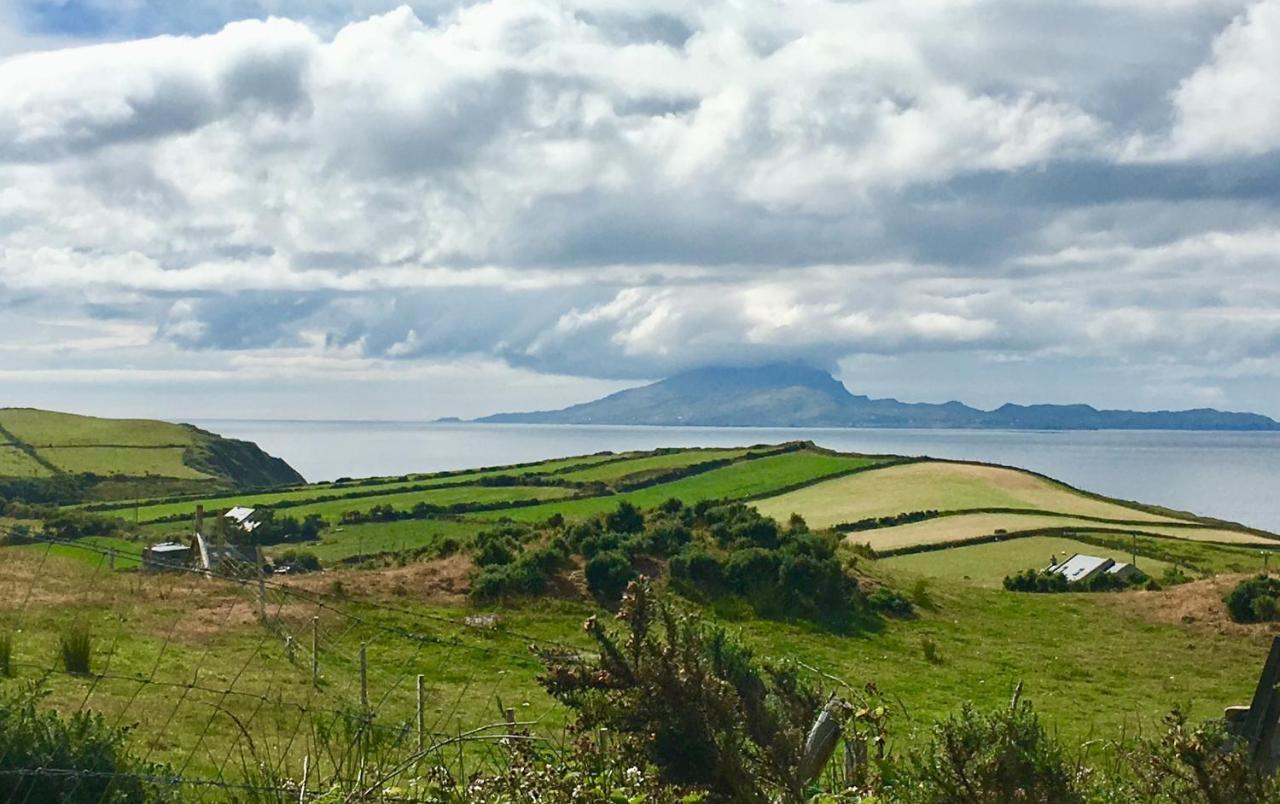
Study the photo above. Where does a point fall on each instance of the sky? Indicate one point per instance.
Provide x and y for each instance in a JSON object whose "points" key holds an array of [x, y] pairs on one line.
{"points": [[322, 209]]}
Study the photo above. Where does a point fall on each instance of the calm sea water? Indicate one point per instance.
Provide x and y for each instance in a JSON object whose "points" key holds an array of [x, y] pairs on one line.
{"points": [[1233, 476]]}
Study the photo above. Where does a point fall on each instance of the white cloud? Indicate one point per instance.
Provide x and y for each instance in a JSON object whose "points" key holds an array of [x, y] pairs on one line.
{"points": [[605, 189]]}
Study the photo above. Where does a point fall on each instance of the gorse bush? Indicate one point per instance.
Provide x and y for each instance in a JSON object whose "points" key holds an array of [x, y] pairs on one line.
{"points": [[76, 648], [989, 758], [608, 574], [692, 701], [91, 759], [1254, 600]]}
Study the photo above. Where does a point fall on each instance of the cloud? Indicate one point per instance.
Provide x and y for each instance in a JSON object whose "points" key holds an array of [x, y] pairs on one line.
{"points": [[1231, 105], [597, 189]]}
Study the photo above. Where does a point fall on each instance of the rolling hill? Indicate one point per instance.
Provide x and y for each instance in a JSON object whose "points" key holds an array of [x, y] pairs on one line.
{"points": [[131, 457], [790, 395]]}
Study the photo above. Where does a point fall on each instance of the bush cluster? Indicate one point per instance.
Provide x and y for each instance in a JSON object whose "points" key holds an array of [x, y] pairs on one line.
{"points": [[1035, 580], [1255, 600], [509, 568]]}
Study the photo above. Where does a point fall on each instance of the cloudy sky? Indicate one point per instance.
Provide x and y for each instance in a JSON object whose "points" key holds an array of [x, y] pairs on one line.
{"points": [[324, 209]]}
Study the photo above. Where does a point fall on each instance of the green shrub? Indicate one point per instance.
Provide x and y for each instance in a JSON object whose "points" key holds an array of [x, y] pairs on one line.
{"points": [[1034, 580], [891, 602], [930, 647], [47, 757], [6, 655], [691, 700], [696, 566], [989, 758], [1201, 764], [608, 574], [1254, 600], [626, 518], [76, 647], [303, 559], [495, 547], [754, 570]]}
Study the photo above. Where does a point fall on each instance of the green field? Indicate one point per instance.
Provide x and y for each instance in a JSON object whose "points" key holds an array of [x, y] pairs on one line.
{"points": [[940, 486], [618, 470], [962, 527], [988, 564], [373, 538], [334, 509], [738, 481], [16, 463], [42, 428], [130, 461], [172, 629]]}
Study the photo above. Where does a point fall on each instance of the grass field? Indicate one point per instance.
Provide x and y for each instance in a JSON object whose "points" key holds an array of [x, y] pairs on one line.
{"points": [[382, 537], [650, 464], [988, 564], [738, 481], [173, 629], [41, 428], [16, 463], [334, 509], [937, 486], [961, 527], [131, 461]]}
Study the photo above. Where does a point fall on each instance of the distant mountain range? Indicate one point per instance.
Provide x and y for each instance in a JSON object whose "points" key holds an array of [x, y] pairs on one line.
{"points": [[790, 395]]}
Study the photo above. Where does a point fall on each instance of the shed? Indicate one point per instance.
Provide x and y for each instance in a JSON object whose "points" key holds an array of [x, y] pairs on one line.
{"points": [[1122, 570], [166, 557]]}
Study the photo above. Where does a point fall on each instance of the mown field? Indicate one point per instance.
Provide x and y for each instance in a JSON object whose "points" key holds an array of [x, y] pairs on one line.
{"points": [[988, 564]]}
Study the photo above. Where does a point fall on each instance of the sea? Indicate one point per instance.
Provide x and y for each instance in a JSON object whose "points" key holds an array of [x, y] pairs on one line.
{"points": [[1232, 476]]}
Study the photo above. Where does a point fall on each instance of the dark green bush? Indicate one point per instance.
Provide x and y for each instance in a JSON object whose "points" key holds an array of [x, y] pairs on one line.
{"points": [[697, 566], [1254, 600], [91, 759], [1034, 580], [608, 574], [889, 601], [302, 559], [626, 518], [752, 570], [989, 758], [6, 655], [495, 547]]}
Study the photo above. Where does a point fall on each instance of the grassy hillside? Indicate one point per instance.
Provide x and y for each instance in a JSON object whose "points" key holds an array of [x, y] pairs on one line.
{"points": [[131, 457], [941, 486]]}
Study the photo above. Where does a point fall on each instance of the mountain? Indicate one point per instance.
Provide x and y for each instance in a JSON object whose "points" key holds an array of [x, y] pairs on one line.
{"points": [[130, 457], [791, 395]]}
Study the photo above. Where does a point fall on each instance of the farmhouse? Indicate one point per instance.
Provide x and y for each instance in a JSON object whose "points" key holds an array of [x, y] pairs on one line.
{"points": [[1081, 568]]}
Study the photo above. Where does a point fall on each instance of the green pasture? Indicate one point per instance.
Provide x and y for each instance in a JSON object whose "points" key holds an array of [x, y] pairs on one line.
{"points": [[178, 630], [742, 480], [16, 463], [940, 486], [41, 428], [130, 461], [988, 564], [618, 470], [333, 510], [372, 538]]}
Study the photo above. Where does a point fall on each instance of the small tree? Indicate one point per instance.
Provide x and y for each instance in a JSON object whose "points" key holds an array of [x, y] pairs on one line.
{"points": [[1254, 600]]}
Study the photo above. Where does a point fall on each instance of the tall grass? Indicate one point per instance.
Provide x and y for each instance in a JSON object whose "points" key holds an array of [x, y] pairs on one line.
{"points": [[76, 644], [6, 655]]}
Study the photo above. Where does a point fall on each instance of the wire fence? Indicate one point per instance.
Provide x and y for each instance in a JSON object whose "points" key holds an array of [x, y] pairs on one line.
{"points": [[251, 688]]}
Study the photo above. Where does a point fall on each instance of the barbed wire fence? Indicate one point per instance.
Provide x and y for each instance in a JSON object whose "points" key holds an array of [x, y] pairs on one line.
{"points": [[310, 691]]}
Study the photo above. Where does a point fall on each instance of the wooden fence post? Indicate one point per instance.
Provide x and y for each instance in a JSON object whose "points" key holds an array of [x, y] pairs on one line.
{"points": [[820, 744], [422, 722], [315, 651], [364, 679]]}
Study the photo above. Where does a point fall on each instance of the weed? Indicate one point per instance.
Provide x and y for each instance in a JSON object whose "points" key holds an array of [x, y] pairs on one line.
{"points": [[76, 646]]}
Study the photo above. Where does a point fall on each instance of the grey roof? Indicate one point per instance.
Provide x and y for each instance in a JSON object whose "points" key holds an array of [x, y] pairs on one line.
{"points": [[243, 517], [1119, 566], [1080, 566], [169, 547]]}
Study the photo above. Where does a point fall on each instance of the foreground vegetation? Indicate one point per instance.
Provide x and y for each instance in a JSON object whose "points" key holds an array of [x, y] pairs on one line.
{"points": [[453, 576]]}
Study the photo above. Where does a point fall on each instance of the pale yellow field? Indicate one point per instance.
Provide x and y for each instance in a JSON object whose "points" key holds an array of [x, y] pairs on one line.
{"points": [[971, 526], [937, 486]]}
